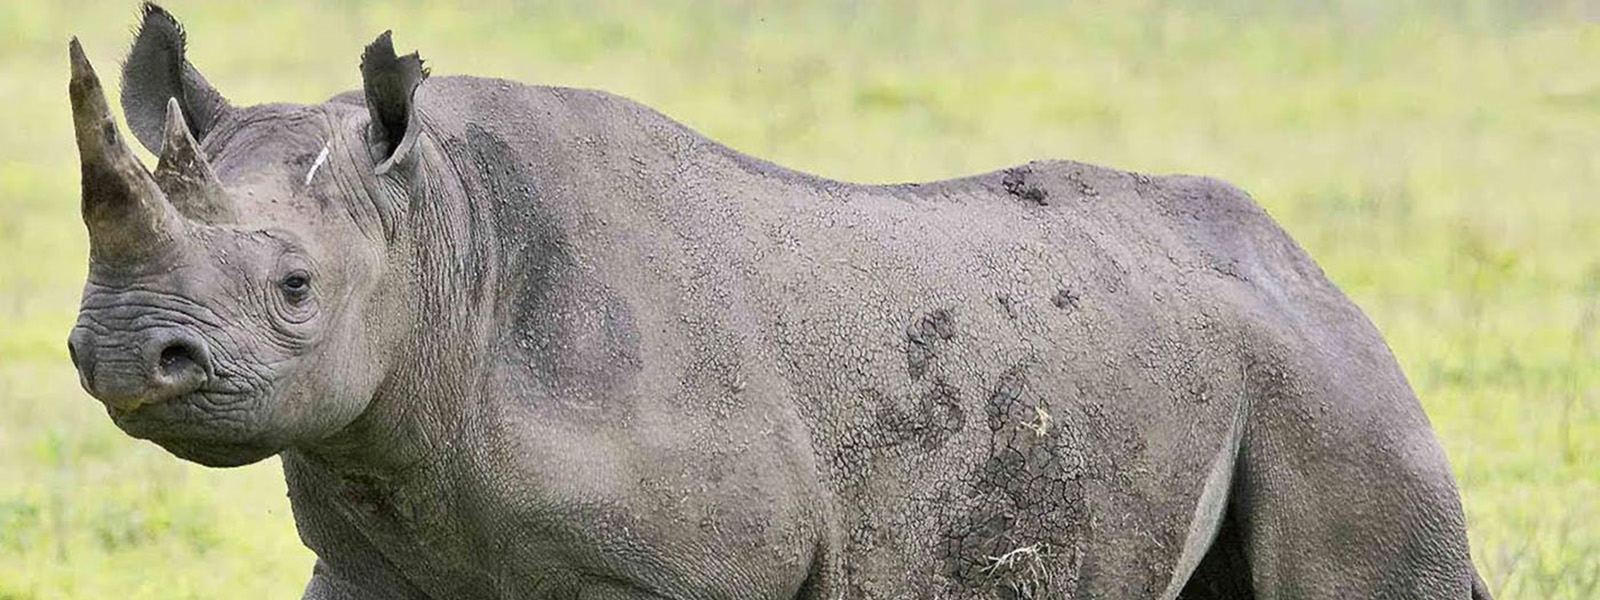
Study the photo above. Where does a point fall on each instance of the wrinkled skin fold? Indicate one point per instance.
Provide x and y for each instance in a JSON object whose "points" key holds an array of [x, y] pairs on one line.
{"points": [[514, 341]]}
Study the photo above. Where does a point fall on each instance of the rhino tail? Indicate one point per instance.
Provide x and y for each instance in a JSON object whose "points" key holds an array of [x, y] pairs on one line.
{"points": [[1211, 509]]}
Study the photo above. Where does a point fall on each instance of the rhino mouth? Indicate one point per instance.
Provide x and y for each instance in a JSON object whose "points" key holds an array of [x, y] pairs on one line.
{"points": [[200, 427]]}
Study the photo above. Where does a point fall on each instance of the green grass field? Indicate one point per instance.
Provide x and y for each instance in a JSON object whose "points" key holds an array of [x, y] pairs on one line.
{"points": [[1439, 158]]}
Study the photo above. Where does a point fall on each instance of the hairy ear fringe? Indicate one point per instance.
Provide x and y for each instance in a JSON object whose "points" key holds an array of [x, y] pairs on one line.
{"points": [[156, 70], [389, 82]]}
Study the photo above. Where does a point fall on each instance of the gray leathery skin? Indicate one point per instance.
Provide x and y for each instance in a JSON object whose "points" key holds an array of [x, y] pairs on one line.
{"points": [[557, 345]]}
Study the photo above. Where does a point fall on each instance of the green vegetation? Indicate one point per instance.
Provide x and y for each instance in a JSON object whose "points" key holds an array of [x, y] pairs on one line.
{"points": [[1440, 158]]}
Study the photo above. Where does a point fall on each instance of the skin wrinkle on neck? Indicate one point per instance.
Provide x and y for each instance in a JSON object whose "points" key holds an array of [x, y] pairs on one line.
{"points": [[394, 436]]}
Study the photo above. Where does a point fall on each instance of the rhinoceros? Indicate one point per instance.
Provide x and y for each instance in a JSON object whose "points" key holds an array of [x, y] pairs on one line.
{"points": [[515, 341]]}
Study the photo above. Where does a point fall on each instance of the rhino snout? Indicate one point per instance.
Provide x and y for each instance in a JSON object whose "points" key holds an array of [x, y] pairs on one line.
{"points": [[154, 366]]}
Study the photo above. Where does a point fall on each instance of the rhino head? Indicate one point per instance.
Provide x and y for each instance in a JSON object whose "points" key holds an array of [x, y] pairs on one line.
{"points": [[239, 296]]}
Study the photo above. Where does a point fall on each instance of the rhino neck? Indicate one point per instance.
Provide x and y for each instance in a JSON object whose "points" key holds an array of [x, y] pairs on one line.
{"points": [[446, 274]]}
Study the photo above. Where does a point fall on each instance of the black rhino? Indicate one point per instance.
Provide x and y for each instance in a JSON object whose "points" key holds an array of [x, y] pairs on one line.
{"points": [[530, 342]]}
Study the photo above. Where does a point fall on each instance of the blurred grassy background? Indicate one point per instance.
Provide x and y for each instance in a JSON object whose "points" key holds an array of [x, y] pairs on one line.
{"points": [[1440, 158]]}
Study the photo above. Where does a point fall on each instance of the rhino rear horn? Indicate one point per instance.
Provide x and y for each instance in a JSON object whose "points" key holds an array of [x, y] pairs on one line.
{"points": [[157, 69], [125, 211], [184, 175], [389, 82]]}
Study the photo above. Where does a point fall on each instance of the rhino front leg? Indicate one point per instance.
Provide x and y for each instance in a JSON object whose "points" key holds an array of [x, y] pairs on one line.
{"points": [[347, 567]]}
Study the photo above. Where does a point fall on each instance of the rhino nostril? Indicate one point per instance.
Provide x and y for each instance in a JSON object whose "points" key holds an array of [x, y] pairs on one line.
{"points": [[82, 354], [180, 356], [182, 366], [79, 346]]}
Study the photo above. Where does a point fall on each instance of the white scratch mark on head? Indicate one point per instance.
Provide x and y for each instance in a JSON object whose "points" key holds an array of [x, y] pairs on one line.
{"points": [[321, 158]]}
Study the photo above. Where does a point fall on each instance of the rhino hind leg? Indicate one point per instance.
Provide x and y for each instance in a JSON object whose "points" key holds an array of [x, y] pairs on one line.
{"points": [[1383, 521], [1341, 489]]}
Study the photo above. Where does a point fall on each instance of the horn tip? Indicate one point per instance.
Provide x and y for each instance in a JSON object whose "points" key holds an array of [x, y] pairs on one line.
{"points": [[81, 69], [75, 50], [177, 130], [174, 113]]}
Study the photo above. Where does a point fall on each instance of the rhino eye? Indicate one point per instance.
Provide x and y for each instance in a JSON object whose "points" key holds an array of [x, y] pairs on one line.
{"points": [[296, 286]]}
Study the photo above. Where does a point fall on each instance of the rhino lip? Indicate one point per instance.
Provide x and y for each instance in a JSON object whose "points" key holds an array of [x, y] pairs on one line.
{"points": [[189, 416], [124, 409]]}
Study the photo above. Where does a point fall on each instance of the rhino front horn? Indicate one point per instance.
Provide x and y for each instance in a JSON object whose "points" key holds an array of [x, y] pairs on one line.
{"points": [[125, 211], [185, 177]]}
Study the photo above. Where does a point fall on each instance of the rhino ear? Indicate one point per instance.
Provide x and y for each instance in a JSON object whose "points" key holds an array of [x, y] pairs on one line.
{"points": [[389, 82], [155, 71]]}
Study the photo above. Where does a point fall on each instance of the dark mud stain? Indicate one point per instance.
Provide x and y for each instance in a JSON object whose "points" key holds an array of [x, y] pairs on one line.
{"points": [[571, 330], [932, 419], [1064, 299], [900, 434], [539, 257], [1228, 267], [923, 337], [1018, 183], [1007, 304], [899, 424], [371, 495], [1025, 500], [1084, 188]]}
